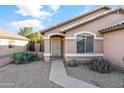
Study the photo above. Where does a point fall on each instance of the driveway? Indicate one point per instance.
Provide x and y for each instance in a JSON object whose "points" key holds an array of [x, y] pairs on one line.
{"points": [[34, 75]]}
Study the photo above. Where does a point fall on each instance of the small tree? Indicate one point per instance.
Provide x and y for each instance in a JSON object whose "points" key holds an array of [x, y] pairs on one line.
{"points": [[26, 31], [34, 37]]}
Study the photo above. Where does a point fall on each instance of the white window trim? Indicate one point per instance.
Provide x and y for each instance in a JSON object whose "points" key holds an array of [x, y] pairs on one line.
{"points": [[85, 41], [52, 34], [70, 38], [84, 32], [73, 38], [46, 54], [99, 38], [83, 55], [78, 55], [11, 43]]}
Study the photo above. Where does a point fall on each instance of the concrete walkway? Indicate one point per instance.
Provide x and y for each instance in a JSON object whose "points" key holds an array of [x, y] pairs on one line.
{"points": [[59, 76], [4, 61]]}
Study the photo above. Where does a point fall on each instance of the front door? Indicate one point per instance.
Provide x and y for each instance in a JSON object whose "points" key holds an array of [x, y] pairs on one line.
{"points": [[56, 46]]}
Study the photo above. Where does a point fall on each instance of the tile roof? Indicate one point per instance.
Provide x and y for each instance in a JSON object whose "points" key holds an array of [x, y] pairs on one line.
{"points": [[9, 35], [114, 27]]}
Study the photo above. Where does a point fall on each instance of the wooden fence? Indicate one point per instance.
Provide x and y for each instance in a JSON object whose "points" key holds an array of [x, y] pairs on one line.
{"points": [[36, 47]]}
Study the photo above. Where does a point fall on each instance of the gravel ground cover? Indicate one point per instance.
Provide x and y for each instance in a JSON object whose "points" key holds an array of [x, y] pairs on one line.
{"points": [[32, 75], [114, 79]]}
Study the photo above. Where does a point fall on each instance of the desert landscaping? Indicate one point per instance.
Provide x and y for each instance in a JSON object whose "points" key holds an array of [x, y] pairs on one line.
{"points": [[114, 79]]}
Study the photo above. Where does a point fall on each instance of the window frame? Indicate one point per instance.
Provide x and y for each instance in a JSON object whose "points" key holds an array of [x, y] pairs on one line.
{"points": [[11, 44], [85, 35]]}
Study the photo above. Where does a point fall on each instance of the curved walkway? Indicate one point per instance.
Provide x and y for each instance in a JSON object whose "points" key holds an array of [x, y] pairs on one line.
{"points": [[59, 76]]}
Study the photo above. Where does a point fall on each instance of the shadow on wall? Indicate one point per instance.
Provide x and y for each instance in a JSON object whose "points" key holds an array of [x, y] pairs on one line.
{"points": [[36, 47]]}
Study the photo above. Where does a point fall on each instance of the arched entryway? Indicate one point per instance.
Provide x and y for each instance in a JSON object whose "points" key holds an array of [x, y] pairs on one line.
{"points": [[57, 45]]}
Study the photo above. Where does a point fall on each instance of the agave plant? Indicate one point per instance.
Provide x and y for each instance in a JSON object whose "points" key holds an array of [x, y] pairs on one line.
{"points": [[100, 65], [72, 63]]}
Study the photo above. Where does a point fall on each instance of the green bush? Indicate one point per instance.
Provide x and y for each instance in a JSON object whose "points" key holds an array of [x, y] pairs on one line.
{"points": [[100, 65], [24, 57]]}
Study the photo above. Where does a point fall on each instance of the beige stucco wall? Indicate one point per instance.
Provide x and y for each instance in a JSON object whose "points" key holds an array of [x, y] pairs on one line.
{"points": [[96, 25], [57, 29], [47, 45], [98, 46], [114, 47], [71, 46], [92, 27], [78, 59], [19, 45]]}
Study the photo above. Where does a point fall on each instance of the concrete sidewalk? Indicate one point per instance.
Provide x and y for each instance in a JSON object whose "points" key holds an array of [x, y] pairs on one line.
{"points": [[4, 61], [59, 76]]}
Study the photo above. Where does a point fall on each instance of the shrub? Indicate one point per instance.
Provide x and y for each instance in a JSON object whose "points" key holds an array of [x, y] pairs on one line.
{"points": [[24, 57], [100, 65], [72, 63]]}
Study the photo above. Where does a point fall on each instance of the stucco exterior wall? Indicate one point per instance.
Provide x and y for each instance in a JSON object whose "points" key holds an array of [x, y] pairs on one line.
{"points": [[70, 46], [96, 25], [92, 27], [78, 59], [19, 45], [114, 47], [47, 45], [98, 46], [57, 29]]}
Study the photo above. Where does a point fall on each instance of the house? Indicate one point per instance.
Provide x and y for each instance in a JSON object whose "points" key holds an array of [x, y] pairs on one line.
{"points": [[11, 42], [81, 37], [114, 43]]}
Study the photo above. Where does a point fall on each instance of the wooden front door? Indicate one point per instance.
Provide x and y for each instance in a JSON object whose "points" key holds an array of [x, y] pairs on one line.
{"points": [[56, 46]]}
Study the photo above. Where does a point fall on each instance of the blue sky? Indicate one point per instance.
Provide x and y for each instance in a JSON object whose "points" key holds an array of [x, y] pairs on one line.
{"points": [[13, 17]]}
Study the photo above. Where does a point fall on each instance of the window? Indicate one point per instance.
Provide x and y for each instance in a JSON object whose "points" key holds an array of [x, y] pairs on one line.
{"points": [[85, 43], [11, 44]]}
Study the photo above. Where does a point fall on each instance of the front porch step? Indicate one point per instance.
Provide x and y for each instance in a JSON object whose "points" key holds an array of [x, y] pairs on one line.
{"points": [[56, 58]]}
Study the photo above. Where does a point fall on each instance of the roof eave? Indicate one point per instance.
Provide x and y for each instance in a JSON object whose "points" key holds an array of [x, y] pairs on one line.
{"points": [[93, 19], [113, 28], [52, 27], [14, 38]]}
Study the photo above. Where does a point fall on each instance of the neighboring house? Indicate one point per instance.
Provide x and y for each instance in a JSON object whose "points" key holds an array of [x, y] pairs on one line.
{"points": [[11, 42], [79, 38]]}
